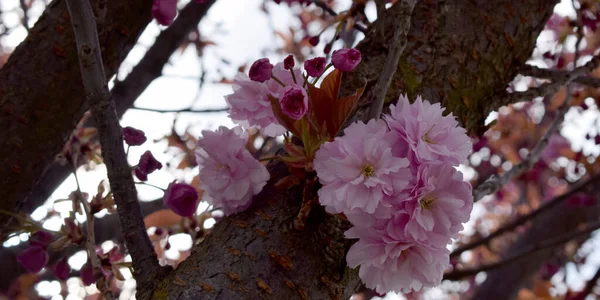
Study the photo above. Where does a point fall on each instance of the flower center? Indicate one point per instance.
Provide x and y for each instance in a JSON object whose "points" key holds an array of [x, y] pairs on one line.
{"points": [[425, 138], [427, 202], [367, 170]]}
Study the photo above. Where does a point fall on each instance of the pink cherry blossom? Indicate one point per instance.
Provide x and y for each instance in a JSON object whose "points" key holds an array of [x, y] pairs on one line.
{"points": [[346, 59], [390, 261], [147, 165], [359, 173], [294, 101], [438, 205], [229, 174], [164, 11], [249, 105], [431, 136], [181, 198], [261, 70]]}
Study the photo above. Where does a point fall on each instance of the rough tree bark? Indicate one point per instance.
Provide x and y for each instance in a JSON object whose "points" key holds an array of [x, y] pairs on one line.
{"points": [[41, 93], [460, 53]]}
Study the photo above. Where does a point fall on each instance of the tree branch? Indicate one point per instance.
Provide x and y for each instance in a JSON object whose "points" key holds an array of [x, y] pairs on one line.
{"points": [[579, 186], [528, 251], [187, 110], [145, 263], [124, 93], [321, 4], [556, 75], [391, 63]]}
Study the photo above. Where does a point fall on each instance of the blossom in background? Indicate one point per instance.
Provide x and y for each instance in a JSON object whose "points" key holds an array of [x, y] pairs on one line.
{"points": [[358, 171], [62, 269], [438, 204], [345, 60], [164, 11], [147, 165], [181, 198], [430, 135], [391, 261], [260, 70], [87, 273], [229, 174], [249, 106], [133, 137], [294, 101]]}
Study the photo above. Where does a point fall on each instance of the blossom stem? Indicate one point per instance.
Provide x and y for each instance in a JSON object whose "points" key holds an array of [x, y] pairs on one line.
{"points": [[277, 80], [268, 158], [293, 75], [152, 185], [90, 242]]}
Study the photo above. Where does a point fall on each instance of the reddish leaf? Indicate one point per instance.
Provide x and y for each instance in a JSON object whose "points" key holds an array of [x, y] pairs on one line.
{"points": [[162, 218]]}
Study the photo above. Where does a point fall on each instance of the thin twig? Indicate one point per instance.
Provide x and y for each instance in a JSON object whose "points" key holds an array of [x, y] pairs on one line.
{"points": [[391, 63], [138, 243], [495, 182], [555, 75], [552, 87], [321, 4], [90, 243], [188, 110], [25, 17], [547, 244], [525, 218]]}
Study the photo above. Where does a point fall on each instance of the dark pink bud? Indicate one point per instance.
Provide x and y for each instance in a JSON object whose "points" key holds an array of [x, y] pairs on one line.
{"points": [[41, 239], [346, 60], [181, 198], [87, 274], [33, 259], [164, 11], [597, 139], [584, 106], [315, 67], [327, 49], [314, 40], [147, 165], [294, 102], [288, 62], [261, 70], [158, 231], [480, 144], [133, 137], [62, 269]]}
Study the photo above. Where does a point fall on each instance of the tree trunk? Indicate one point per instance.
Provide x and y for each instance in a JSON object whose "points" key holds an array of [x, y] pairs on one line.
{"points": [[460, 53], [41, 93]]}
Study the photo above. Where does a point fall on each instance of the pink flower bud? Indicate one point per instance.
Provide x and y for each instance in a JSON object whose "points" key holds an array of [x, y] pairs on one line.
{"points": [[327, 48], [87, 274], [345, 60], [314, 40], [294, 102], [62, 269], [261, 70], [34, 259], [315, 67], [181, 198], [288, 62], [133, 137], [164, 11], [147, 165]]}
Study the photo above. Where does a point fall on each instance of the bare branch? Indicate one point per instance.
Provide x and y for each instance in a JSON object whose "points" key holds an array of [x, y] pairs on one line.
{"points": [[525, 218], [391, 64], [321, 4], [145, 263], [528, 251], [555, 75], [187, 110]]}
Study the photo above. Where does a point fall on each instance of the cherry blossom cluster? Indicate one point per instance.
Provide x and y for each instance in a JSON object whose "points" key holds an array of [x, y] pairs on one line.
{"points": [[229, 175], [396, 182]]}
